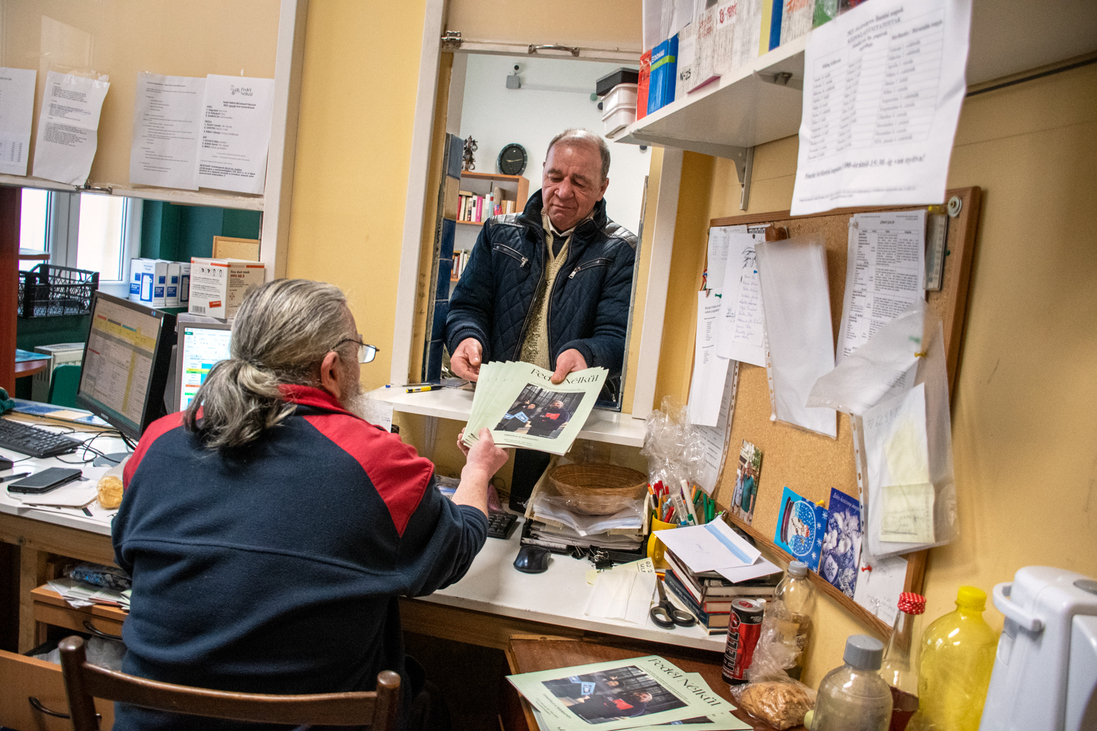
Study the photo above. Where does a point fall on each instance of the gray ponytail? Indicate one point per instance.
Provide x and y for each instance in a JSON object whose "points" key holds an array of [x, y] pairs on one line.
{"points": [[280, 335]]}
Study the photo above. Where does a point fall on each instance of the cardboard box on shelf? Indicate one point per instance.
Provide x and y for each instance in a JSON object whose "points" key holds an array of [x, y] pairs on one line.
{"points": [[218, 286]]}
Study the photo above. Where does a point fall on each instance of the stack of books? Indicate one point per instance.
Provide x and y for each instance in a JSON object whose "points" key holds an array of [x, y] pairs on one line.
{"points": [[708, 596]]}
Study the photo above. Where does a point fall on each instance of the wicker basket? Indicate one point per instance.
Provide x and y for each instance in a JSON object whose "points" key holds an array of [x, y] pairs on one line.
{"points": [[598, 489]]}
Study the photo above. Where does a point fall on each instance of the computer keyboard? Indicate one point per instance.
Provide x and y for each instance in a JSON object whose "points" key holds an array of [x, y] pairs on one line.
{"points": [[31, 440], [501, 525]]}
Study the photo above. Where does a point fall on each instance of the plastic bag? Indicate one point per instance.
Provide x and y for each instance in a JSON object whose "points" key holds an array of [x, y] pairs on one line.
{"points": [[777, 649], [672, 446], [899, 373], [104, 653], [779, 703]]}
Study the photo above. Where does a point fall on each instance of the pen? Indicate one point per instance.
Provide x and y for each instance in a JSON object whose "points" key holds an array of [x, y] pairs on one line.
{"points": [[13, 477], [420, 389]]}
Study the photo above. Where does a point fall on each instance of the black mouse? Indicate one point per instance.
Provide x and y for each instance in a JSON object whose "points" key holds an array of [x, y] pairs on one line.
{"points": [[532, 559]]}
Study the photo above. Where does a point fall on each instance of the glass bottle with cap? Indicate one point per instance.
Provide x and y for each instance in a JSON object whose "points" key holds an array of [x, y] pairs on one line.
{"points": [[854, 697], [798, 596], [896, 669], [954, 670]]}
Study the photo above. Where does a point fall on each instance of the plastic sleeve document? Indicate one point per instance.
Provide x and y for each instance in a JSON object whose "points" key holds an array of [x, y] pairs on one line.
{"points": [[883, 86], [235, 133], [68, 127]]}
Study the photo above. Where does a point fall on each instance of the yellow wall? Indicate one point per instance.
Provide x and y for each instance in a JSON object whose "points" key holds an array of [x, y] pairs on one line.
{"points": [[1025, 407], [361, 70]]}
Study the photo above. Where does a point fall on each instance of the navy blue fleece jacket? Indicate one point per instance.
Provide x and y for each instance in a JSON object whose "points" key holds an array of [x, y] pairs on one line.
{"points": [[276, 570]]}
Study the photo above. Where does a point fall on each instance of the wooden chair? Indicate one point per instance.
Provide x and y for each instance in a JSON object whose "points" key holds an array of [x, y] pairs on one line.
{"points": [[377, 709]]}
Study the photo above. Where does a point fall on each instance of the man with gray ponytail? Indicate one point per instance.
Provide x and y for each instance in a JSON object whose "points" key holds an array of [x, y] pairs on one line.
{"points": [[269, 529]]}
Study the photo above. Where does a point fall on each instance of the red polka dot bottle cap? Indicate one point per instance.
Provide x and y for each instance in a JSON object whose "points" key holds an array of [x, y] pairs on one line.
{"points": [[912, 603]]}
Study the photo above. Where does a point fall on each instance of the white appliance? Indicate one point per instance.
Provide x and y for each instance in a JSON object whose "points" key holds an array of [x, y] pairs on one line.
{"points": [[1045, 671]]}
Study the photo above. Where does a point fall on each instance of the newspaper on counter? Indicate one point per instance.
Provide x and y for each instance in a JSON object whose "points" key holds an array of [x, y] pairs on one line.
{"points": [[523, 408], [634, 693]]}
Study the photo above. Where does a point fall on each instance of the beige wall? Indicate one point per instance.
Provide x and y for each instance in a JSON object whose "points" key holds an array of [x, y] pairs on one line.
{"points": [[358, 88], [1025, 407]]}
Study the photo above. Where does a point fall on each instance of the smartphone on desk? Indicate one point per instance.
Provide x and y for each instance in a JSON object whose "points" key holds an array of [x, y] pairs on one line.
{"points": [[44, 481]]}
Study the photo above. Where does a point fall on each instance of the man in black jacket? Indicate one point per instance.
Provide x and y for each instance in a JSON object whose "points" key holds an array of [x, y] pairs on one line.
{"points": [[552, 285]]}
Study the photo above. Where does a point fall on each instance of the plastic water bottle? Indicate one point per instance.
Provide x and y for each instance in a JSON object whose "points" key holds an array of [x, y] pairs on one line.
{"points": [[954, 671], [854, 697], [798, 596]]}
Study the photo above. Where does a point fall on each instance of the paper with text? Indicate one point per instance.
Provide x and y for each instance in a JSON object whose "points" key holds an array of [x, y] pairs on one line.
{"points": [[68, 126], [624, 592], [884, 272], [16, 115], [878, 588], [908, 513], [883, 86], [742, 317], [709, 370], [235, 133], [167, 129], [714, 439], [717, 257]]}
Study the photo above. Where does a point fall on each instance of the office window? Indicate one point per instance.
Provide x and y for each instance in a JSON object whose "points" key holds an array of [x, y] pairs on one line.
{"points": [[83, 230]]}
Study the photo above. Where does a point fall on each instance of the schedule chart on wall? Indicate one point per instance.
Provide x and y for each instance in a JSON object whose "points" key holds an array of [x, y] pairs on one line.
{"points": [[883, 86]]}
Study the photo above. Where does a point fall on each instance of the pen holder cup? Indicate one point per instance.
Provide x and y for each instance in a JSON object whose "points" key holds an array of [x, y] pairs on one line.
{"points": [[655, 546]]}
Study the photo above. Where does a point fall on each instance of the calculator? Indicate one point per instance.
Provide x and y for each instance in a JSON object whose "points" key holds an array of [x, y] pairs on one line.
{"points": [[501, 525]]}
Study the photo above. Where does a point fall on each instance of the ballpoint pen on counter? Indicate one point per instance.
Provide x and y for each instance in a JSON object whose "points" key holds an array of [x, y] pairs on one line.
{"points": [[15, 476], [421, 388]]}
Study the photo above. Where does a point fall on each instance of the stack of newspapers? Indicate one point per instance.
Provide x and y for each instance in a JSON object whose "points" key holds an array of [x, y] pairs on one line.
{"points": [[523, 408], [636, 693]]}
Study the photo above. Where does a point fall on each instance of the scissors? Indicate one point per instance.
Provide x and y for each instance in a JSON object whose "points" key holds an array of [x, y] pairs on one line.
{"points": [[666, 615]]}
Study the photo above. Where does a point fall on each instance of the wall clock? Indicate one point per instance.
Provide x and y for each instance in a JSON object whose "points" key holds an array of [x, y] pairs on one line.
{"points": [[512, 159]]}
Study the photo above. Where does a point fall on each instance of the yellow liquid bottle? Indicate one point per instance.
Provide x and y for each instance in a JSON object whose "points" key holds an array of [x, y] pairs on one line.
{"points": [[954, 670]]}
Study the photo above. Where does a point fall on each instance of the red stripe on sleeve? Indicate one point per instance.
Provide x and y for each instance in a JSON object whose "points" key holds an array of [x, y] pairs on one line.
{"points": [[156, 429], [396, 470]]}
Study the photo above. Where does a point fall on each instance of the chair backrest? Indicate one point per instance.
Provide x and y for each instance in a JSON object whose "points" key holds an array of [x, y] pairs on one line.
{"points": [[63, 384], [377, 709]]}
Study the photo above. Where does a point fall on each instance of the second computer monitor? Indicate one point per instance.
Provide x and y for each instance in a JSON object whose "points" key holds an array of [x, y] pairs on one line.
{"points": [[201, 346]]}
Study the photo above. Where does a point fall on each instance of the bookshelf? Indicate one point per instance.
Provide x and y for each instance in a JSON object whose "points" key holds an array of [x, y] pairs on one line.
{"points": [[517, 190]]}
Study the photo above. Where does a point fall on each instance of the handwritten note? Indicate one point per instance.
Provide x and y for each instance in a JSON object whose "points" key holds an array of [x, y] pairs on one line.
{"points": [[883, 86], [742, 317]]}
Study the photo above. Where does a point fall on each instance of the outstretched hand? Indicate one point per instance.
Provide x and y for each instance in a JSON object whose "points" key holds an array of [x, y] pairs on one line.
{"points": [[465, 360], [568, 362]]}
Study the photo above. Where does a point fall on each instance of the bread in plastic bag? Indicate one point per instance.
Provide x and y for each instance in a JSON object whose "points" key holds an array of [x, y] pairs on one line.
{"points": [[781, 704]]}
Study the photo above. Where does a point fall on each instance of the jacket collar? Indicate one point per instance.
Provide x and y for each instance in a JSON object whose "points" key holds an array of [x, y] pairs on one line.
{"points": [[311, 396]]}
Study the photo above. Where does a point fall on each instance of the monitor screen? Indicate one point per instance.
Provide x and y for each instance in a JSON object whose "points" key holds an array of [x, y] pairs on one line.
{"points": [[201, 346], [126, 363]]}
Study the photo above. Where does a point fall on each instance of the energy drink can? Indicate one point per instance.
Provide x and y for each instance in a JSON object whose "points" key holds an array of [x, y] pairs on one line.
{"points": [[744, 627]]}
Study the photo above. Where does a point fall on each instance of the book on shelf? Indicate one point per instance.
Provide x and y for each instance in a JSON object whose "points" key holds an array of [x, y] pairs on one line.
{"points": [[715, 622], [709, 584]]}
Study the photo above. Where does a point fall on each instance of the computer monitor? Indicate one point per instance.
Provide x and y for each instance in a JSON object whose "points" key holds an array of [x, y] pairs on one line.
{"points": [[126, 361], [200, 346]]}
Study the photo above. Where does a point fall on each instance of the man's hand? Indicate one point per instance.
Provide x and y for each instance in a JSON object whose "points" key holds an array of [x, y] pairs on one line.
{"points": [[568, 362], [465, 361]]}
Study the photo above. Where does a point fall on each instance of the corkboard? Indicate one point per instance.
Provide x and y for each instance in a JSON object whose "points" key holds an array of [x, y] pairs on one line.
{"points": [[811, 464]]}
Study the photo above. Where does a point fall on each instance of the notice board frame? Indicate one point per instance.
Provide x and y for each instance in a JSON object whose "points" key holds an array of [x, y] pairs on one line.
{"points": [[811, 464]]}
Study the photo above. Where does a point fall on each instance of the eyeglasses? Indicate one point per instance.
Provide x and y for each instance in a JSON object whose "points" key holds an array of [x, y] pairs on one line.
{"points": [[366, 353]]}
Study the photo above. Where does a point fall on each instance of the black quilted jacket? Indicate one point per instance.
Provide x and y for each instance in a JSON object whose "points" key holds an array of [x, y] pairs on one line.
{"points": [[589, 307]]}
